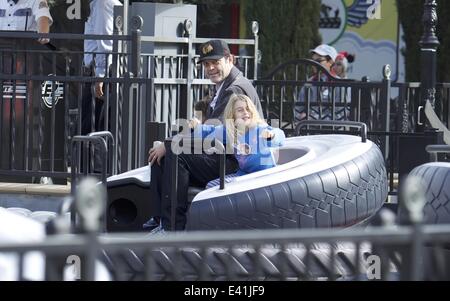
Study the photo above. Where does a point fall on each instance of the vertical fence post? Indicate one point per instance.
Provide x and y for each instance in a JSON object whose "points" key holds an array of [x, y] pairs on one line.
{"points": [[114, 103], [171, 162], [184, 108], [385, 107], [428, 47], [403, 110], [91, 204], [255, 30], [189, 79], [74, 170], [138, 108], [126, 5], [136, 36], [413, 199], [124, 159]]}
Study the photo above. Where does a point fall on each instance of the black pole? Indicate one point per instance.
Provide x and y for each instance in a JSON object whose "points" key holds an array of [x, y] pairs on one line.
{"points": [[428, 47], [136, 36]]}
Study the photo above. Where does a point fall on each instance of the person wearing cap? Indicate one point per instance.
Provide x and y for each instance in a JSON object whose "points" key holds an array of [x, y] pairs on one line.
{"points": [[340, 67], [325, 55], [199, 169], [218, 64], [321, 96], [26, 15]]}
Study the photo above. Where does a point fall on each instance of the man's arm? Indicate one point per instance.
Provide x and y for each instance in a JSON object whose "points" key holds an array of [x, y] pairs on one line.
{"points": [[43, 19], [104, 25], [43, 25]]}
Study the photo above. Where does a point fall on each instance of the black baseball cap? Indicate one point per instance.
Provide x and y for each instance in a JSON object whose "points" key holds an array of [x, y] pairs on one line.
{"points": [[213, 50]]}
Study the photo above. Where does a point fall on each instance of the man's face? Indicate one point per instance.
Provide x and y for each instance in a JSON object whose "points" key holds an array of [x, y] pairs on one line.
{"points": [[323, 60], [218, 70]]}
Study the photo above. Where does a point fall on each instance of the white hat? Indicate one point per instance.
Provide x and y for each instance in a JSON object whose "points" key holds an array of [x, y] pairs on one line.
{"points": [[325, 50]]}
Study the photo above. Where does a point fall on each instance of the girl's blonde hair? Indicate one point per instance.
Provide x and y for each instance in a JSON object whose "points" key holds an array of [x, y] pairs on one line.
{"points": [[232, 130]]}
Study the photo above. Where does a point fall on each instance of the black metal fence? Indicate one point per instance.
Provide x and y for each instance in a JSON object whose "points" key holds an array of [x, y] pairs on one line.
{"points": [[389, 253], [48, 98], [42, 108]]}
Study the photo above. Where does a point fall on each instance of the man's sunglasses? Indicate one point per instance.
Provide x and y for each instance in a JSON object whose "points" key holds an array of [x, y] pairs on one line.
{"points": [[320, 60]]}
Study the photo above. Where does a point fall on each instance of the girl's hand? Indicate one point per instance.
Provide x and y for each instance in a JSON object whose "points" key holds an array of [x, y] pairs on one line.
{"points": [[266, 134], [244, 149], [193, 123], [239, 123], [156, 154]]}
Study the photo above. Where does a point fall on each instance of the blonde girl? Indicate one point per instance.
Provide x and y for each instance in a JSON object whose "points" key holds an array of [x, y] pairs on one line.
{"points": [[246, 134]]}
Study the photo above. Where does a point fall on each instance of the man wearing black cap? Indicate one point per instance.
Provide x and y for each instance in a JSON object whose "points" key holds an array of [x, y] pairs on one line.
{"points": [[219, 68], [198, 170]]}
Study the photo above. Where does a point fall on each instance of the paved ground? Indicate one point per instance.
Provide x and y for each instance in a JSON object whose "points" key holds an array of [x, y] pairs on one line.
{"points": [[31, 202]]}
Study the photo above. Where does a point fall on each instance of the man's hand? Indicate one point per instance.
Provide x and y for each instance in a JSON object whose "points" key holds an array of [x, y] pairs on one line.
{"points": [[99, 89], [156, 154], [43, 26], [43, 41]]}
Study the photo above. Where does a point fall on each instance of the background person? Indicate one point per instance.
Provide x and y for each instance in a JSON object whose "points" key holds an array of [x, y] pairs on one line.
{"points": [[340, 67], [251, 139], [100, 22], [26, 15], [322, 96], [97, 58]]}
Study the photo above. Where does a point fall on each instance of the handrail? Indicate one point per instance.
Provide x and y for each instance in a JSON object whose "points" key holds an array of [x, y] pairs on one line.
{"points": [[108, 134], [436, 149], [101, 142], [61, 36], [305, 62], [362, 126]]}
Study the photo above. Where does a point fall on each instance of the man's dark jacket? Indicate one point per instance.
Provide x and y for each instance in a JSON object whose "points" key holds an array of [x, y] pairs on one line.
{"points": [[235, 83]]}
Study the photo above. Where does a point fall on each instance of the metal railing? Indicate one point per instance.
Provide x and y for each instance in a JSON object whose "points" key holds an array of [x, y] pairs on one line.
{"points": [[386, 253]]}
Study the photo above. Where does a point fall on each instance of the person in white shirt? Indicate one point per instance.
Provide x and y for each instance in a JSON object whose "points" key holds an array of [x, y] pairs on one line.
{"points": [[26, 15], [101, 22], [97, 58]]}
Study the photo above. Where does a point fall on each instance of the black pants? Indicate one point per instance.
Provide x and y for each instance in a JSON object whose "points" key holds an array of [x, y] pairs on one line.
{"points": [[193, 170], [93, 107]]}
